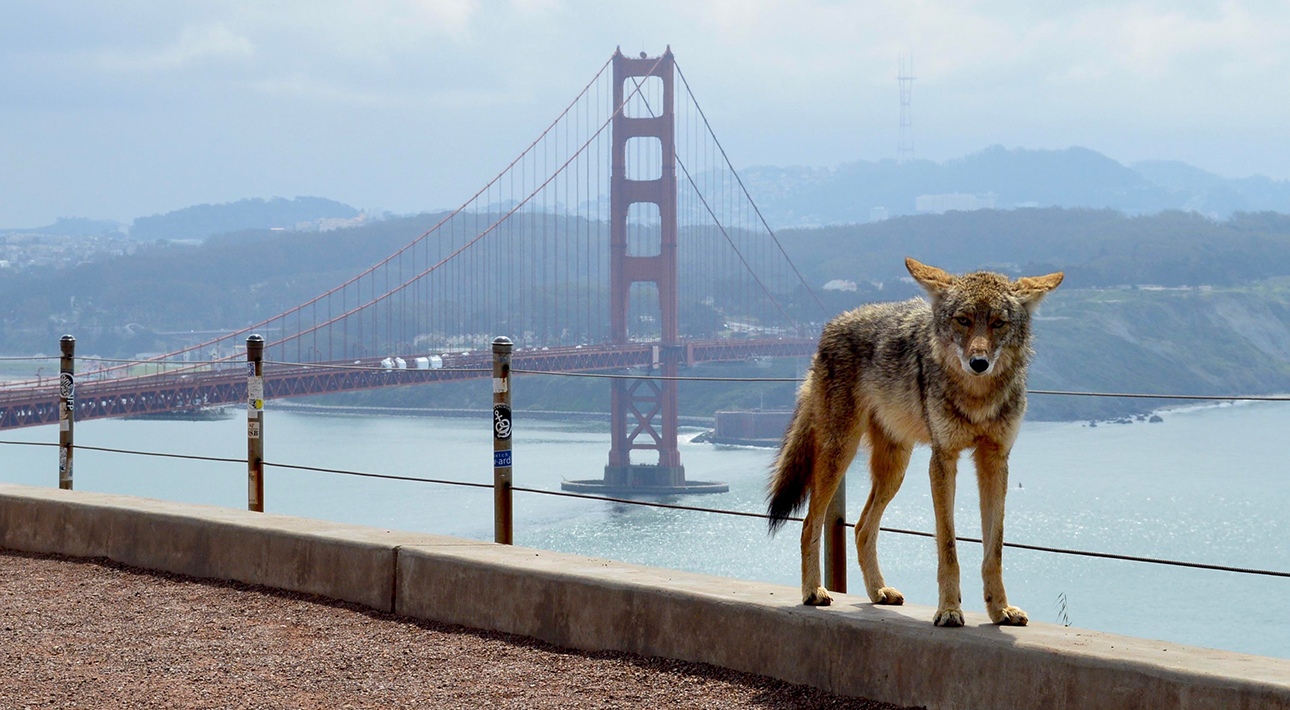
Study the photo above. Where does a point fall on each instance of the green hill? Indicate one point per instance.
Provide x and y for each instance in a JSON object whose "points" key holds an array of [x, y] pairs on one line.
{"points": [[201, 221]]}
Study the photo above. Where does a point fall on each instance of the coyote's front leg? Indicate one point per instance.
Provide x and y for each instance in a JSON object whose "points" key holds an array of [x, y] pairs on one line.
{"points": [[887, 462], [944, 469], [992, 481]]}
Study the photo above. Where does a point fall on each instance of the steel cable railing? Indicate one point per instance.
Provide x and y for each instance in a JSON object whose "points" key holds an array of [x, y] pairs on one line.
{"points": [[676, 506]]}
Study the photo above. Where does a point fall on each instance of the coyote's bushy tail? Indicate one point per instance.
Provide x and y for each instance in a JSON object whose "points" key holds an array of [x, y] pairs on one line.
{"points": [[792, 477]]}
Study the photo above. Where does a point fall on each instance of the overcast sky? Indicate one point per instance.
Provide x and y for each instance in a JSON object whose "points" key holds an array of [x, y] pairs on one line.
{"points": [[123, 109]]}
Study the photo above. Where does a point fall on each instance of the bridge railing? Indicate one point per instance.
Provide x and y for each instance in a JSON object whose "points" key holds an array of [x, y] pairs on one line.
{"points": [[503, 486]]}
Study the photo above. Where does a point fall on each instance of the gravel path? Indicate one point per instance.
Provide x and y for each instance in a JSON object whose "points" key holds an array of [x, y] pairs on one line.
{"points": [[96, 634]]}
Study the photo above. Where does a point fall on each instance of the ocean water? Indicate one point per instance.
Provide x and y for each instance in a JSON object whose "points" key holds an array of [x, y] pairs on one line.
{"points": [[1209, 484]]}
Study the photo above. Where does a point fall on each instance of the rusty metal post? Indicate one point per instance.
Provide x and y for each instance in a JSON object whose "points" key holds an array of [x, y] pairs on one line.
{"points": [[502, 521], [66, 410], [255, 423], [835, 540]]}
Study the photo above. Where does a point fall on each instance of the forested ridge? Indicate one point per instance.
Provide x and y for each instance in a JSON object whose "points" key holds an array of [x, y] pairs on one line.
{"points": [[1222, 327]]}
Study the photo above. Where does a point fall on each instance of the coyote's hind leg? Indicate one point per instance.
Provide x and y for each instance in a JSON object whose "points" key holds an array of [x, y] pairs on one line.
{"points": [[831, 464], [888, 460]]}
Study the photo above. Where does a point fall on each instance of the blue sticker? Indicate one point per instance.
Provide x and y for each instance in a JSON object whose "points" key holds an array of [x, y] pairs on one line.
{"points": [[501, 458]]}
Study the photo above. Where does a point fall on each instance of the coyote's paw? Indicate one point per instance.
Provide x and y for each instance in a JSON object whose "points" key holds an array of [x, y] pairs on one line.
{"points": [[1009, 616], [817, 597], [887, 595], [948, 617]]}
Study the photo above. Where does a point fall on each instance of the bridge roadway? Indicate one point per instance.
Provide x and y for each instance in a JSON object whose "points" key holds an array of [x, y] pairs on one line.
{"points": [[191, 386]]}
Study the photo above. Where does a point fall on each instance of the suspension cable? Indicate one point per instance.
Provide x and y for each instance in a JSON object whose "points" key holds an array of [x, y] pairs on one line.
{"points": [[372, 269], [720, 147], [720, 226]]}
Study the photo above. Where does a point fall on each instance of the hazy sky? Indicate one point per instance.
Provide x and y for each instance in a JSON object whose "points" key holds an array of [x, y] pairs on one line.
{"points": [[122, 109]]}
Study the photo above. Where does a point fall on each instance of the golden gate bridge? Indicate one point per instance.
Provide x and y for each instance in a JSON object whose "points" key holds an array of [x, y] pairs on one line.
{"points": [[621, 238]]}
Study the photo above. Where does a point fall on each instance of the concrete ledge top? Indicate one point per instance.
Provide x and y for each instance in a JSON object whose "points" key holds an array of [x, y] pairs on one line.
{"points": [[268, 522], [910, 620], [853, 646]]}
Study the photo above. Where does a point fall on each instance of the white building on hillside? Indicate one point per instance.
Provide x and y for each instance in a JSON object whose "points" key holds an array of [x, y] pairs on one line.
{"points": [[963, 202]]}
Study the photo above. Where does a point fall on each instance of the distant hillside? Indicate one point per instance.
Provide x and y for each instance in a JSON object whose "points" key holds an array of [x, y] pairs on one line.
{"points": [[1074, 177], [1096, 248], [168, 286], [201, 221], [1215, 194], [1218, 326], [71, 227], [1190, 340]]}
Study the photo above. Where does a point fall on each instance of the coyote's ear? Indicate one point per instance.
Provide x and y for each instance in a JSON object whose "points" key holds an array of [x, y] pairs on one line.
{"points": [[931, 278], [1032, 289]]}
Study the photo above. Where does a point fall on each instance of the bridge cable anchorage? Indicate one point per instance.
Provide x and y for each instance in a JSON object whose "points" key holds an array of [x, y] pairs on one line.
{"points": [[378, 299], [674, 506], [387, 260], [742, 187], [720, 226]]}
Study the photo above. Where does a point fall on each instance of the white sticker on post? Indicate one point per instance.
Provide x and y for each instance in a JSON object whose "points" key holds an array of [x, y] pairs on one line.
{"points": [[253, 429], [255, 393], [499, 385]]}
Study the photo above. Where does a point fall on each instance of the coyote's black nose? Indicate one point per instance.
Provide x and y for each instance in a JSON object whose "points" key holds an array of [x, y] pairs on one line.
{"points": [[979, 364]]}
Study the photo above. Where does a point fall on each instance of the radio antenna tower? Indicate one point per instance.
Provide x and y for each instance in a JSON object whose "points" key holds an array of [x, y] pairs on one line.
{"points": [[905, 77]]}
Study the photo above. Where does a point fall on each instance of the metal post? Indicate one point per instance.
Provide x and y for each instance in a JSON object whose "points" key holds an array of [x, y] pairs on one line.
{"points": [[835, 540], [255, 423], [502, 521], [66, 410]]}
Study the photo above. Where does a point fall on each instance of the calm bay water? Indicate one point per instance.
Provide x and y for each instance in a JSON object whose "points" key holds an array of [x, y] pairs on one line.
{"points": [[1208, 485]]}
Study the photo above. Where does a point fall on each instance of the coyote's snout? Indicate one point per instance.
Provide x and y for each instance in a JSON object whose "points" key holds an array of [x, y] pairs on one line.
{"points": [[950, 374]]}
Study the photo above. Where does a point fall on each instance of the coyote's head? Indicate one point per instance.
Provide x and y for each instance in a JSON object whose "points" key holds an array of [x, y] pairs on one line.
{"points": [[982, 319]]}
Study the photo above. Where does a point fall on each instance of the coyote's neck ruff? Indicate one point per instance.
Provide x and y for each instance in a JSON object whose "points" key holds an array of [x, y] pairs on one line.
{"points": [[951, 374]]}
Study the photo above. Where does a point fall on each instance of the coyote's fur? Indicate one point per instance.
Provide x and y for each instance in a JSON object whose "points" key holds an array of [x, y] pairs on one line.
{"points": [[951, 374]]}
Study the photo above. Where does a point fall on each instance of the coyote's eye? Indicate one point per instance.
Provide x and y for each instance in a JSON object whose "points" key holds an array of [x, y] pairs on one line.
{"points": [[963, 321], [997, 324]]}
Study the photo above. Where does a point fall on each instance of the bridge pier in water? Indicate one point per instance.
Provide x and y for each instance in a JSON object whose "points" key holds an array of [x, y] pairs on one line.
{"points": [[643, 412]]}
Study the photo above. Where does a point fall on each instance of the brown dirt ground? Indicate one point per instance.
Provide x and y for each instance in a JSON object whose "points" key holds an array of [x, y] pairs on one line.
{"points": [[95, 634]]}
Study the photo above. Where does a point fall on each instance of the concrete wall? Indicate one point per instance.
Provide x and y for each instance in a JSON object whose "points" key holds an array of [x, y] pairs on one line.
{"points": [[853, 647], [752, 424]]}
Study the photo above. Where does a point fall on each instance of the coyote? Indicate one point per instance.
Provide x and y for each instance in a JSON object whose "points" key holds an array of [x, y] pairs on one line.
{"points": [[951, 374]]}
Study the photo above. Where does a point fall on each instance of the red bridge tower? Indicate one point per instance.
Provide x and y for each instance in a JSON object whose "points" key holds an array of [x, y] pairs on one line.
{"points": [[644, 411]]}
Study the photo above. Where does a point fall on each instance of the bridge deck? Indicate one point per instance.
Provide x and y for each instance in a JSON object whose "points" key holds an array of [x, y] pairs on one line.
{"points": [[186, 387]]}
